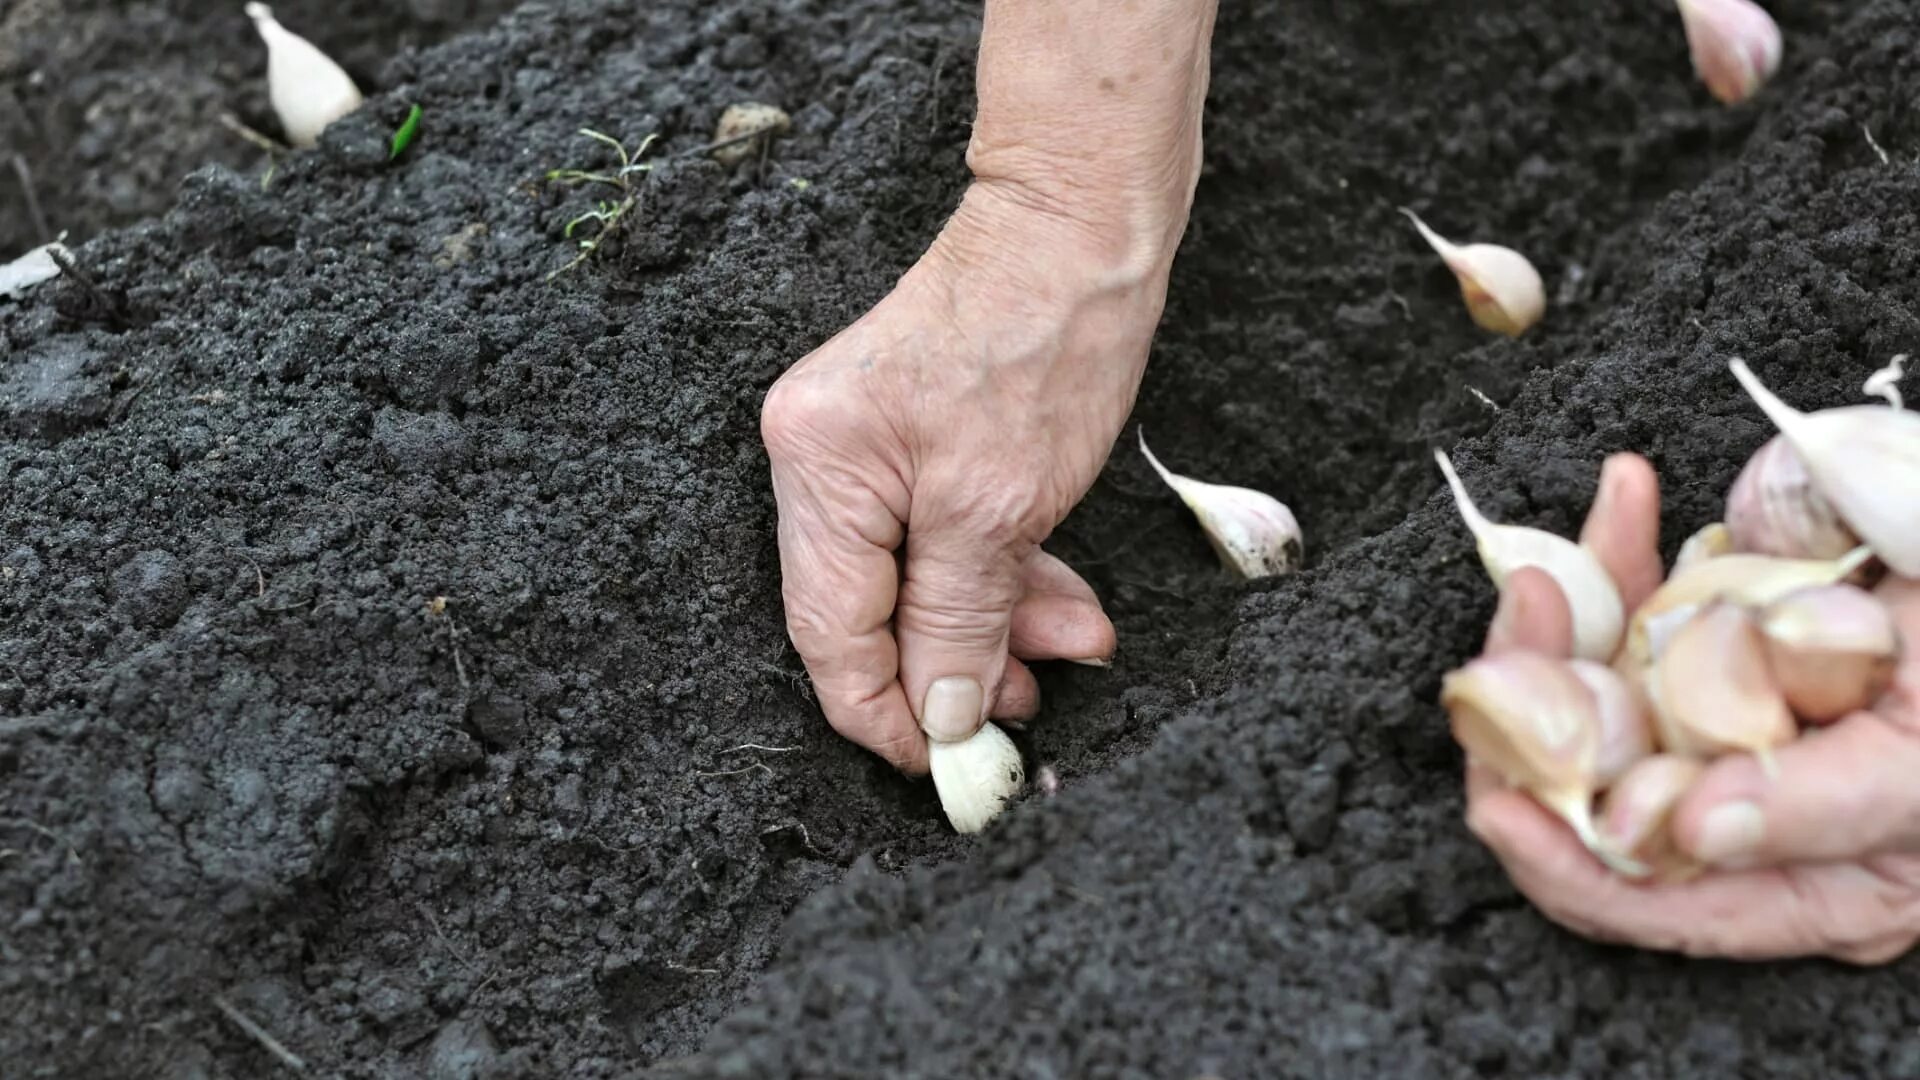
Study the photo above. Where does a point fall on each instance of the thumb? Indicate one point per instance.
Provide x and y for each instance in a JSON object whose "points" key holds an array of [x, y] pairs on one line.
{"points": [[953, 620], [1841, 793]]}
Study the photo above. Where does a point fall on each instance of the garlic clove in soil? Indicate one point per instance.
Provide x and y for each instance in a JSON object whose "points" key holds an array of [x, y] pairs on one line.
{"points": [[745, 128], [1591, 594], [1736, 46], [1636, 814], [1745, 580], [975, 776], [1711, 542], [1774, 509], [1713, 692], [1833, 649], [308, 90], [1254, 534], [1502, 290], [1865, 459], [1626, 735], [1530, 719], [1885, 383], [30, 269]]}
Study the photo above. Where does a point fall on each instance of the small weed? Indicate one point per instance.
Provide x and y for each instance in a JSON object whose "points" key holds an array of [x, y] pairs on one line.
{"points": [[607, 213], [404, 135]]}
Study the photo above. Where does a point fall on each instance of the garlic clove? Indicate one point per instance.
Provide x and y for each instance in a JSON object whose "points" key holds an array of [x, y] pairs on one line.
{"points": [[745, 128], [1637, 812], [1866, 460], [1711, 542], [1745, 580], [1502, 290], [1530, 719], [308, 90], [1834, 650], [1885, 383], [1736, 46], [1713, 692], [1773, 508], [1598, 615], [975, 776], [31, 269], [1626, 735], [1254, 534]]}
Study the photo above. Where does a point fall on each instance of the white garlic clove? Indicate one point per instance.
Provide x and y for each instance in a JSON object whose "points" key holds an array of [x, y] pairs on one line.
{"points": [[745, 119], [1531, 720], [1834, 650], [1711, 542], [1745, 580], [1254, 534], [1626, 735], [30, 269], [1773, 508], [1636, 814], [1502, 290], [975, 776], [1885, 383], [308, 90], [1598, 616], [1713, 692], [1866, 460], [1736, 46]]}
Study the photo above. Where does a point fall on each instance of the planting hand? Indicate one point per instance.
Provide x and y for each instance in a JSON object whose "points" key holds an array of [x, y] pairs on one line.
{"points": [[921, 456], [1823, 859]]}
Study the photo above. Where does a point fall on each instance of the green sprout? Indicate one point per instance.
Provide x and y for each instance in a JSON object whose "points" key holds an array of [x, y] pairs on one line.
{"points": [[404, 135], [607, 213]]}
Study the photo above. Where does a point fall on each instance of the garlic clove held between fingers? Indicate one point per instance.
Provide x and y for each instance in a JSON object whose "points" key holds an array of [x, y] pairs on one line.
{"points": [[1710, 542], [1713, 692], [975, 776], [308, 90], [1253, 533], [1636, 814], [1530, 719], [1736, 46], [1746, 580], [1773, 508], [1626, 734], [1502, 290], [1865, 459], [1598, 616], [1833, 649]]}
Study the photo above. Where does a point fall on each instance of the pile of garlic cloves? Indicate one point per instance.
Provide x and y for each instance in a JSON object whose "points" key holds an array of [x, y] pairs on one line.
{"points": [[1765, 627]]}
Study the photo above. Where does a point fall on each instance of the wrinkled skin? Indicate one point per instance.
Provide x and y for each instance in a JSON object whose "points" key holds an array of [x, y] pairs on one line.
{"points": [[1833, 867]]}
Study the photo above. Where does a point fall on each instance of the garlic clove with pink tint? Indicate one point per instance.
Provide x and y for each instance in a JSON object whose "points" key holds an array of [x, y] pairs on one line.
{"points": [[1502, 290], [1636, 814], [1626, 733], [1773, 508], [1713, 692], [1833, 650], [1252, 532], [1736, 46]]}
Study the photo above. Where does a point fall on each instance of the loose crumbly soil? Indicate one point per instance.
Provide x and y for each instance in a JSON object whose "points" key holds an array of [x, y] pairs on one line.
{"points": [[390, 645]]}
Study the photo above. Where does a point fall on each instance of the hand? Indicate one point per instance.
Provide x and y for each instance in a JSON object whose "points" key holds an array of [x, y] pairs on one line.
{"points": [[964, 416], [1823, 859]]}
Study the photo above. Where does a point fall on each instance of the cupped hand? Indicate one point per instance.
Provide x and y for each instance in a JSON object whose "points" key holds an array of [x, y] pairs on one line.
{"points": [[922, 455], [1822, 859]]}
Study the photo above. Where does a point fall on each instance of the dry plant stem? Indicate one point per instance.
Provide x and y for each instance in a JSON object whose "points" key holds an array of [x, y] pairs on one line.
{"points": [[39, 220], [264, 141], [260, 1035]]}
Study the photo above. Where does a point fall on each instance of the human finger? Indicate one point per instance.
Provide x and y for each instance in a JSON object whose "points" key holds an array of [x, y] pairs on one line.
{"points": [[1018, 698], [1623, 527], [1058, 617], [1532, 616]]}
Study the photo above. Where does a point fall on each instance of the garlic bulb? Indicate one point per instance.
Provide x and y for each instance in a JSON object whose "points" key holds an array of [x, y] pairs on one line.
{"points": [[1711, 542], [1774, 509], [1833, 649], [1531, 720], [1885, 383], [308, 90], [1503, 291], [1713, 692], [975, 776], [1746, 580], [1625, 734], [1589, 589], [1866, 460], [1254, 534], [1736, 46], [1636, 813]]}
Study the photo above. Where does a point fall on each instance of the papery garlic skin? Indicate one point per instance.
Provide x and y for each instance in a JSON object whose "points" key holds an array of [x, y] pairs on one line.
{"points": [[975, 776], [1833, 650], [1636, 814], [1736, 46], [1865, 459], [1773, 508], [1598, 615], [1710, 542], [1254, 534], [308, 90], [1626, 734], [1502, 290], [1713, 692]]}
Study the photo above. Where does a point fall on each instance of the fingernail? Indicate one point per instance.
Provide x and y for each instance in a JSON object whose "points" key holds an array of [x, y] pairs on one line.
{"points": [[1730, 833], [1091, 661], [952, 709]]}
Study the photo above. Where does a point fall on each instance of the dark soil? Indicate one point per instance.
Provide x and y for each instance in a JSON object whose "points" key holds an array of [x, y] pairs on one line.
{"points": [[383, 628]]}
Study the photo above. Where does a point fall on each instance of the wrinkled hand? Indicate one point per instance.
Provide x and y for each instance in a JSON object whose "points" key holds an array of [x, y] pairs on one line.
{"points": [[1824, 859], [921, 456]]}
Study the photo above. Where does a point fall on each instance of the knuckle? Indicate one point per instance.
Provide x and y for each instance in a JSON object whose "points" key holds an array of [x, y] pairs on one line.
{"points": [[798, 408]]}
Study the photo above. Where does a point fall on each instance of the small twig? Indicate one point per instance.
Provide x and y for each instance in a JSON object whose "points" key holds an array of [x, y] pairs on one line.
{"points": [[806, 840], [459, 665], [933, 89], [671, 966], [1875, 143], [259, 579], [736, 772], [724, 143], [260, 1035], [39, 220], [265, 142], [448, 942], [1483, 399], [757, 746]]}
